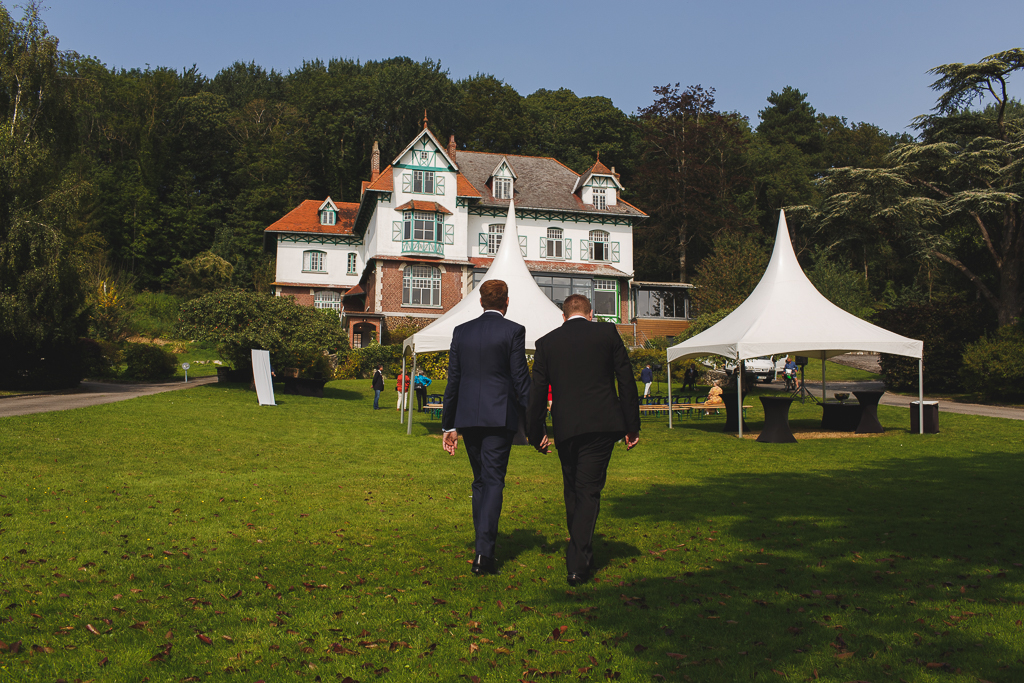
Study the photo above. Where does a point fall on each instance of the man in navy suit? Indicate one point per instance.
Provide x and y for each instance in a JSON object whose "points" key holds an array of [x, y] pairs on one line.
{"points": [[488, 387], [583, 361]]}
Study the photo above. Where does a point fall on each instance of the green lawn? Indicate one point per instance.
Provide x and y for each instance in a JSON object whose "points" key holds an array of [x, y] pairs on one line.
{"points": [[194, 536]]}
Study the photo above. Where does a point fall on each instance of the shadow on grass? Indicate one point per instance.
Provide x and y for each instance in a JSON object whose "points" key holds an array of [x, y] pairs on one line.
{"points": [[894, 567]]}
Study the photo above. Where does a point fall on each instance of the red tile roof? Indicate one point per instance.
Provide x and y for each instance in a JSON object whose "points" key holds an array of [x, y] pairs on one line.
{"points": [[306, 218], [385, 181], [418, 205], [465, 188], [598, 167], [311, 285]]}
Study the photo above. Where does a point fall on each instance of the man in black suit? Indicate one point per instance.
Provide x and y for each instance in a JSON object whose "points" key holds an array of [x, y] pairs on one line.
{"points": [[582, 360], [488, 386]]}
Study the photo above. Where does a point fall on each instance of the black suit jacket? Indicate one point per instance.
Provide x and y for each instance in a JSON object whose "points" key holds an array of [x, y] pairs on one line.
{"points": [[488, 379], [582, 361]]}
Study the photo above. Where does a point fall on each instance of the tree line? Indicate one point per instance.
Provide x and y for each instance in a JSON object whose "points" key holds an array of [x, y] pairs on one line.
{"points": [[158, 176]]}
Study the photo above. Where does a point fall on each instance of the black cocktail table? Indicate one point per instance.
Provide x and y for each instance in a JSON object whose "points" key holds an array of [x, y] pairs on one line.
{"points": [[732, 424], [776, 420], [869, 423], [840, 417]]}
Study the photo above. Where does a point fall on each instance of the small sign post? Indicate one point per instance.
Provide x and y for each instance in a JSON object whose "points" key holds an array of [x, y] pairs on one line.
{"points": [[185, 367]]}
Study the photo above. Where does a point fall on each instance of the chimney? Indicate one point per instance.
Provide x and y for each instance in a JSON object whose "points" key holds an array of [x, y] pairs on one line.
{"points": [[451, 147], [375, 162]]}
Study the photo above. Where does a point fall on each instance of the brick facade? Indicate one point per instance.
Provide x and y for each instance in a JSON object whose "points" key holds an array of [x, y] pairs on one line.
{"points": [[391, 289], [302, 294]]}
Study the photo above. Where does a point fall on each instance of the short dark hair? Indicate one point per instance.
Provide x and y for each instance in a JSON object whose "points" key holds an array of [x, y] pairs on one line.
{"points": [[576, 304], [493, 295]]}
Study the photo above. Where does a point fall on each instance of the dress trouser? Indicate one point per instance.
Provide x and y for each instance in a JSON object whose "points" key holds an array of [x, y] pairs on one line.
{"points": [[488, 449], [584, 470]]}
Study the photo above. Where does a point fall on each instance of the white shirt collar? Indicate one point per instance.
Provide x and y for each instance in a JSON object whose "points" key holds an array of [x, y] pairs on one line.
{"points": [[492, 310], [573, 317]]}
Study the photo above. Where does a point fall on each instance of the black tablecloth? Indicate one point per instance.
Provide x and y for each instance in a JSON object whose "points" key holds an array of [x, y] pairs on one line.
{"points": [[776, 420]]}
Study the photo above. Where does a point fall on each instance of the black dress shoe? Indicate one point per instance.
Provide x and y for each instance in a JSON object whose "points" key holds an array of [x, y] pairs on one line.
{"points": [[576, 579], [484, 565]]}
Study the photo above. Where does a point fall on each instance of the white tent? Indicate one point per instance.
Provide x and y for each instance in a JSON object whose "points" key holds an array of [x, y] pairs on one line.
{"points": [[785, 314], [528, 305]]}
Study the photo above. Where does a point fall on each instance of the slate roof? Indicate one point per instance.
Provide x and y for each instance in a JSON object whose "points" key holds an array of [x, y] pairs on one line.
{"points": [[544, 183], [306, 218]]}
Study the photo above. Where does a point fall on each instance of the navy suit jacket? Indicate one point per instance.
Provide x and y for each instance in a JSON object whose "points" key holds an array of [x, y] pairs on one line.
{"points": [[582, 361], [488, 380]]}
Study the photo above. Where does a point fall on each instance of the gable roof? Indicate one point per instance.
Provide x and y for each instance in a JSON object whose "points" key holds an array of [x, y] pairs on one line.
{"points": [[306, 218], [543, 183], [440, 148], [597, 169], [385, 182]]}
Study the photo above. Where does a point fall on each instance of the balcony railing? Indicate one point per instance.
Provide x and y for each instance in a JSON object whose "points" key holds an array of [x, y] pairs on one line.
{"points": [[424, 247]]}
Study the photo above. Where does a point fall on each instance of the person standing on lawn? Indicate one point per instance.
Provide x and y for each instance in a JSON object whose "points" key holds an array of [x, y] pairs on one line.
{"points": [[647, 376], [378, 386], [420, 383], [488, 386], [582, 361]]}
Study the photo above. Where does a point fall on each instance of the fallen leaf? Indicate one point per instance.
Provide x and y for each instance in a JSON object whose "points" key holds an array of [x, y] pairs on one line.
{"points": [[91, 629], [204, 638], [676, 655]]}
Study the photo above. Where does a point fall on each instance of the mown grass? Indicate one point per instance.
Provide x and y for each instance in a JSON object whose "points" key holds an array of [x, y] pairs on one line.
{"points": [[195, 536]]}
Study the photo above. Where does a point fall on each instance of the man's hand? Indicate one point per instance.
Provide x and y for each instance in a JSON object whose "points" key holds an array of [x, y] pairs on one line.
{"points": [[451, 441], [632, 439], [544, 446]]}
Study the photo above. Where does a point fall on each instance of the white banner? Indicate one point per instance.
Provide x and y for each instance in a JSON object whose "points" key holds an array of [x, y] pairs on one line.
{"points": [[261, 374]]}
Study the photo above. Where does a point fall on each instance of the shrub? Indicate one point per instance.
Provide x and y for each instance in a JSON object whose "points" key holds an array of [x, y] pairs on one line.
{"points": [[296, 336], [945, 326], [100, 358], [994, 366], [148, 362]]}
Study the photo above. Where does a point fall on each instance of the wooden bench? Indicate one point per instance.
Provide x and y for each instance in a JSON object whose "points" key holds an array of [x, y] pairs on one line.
{"points": [[683, 409], [435, 409]]}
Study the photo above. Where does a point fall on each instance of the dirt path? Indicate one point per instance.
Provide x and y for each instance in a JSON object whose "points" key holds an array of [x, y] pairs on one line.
{"points": [[90, 394]]}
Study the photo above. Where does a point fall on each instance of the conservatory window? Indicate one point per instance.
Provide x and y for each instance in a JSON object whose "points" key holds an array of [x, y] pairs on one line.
{"points": [[327, 298]]}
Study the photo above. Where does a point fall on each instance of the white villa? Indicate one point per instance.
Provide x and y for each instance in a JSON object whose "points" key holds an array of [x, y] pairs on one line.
{"points": [[427, 226]]}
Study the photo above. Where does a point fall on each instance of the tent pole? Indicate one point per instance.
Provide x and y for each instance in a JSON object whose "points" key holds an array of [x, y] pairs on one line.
{"points": [[739, 396], [669, 391], [822, 376], [410, 391], [920, 394], [401, 415]]}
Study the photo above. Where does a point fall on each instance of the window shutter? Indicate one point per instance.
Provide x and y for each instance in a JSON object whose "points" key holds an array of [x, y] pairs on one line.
{"points": [[438, 184], [449, 234], [568, 249], [483, 243], [522, 245], [615, 252], [543, 247], [584, 250], [396, 231], [406, 182]]}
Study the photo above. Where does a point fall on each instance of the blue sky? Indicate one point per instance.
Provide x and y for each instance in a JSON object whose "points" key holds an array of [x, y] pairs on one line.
{"points": [[863, 60]]}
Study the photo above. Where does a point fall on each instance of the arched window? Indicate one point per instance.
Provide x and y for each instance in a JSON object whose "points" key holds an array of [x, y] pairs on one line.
{"points": [[599, 245], [314, 261], [351, 263], [494, 233], [554, 243], [421, 286]]}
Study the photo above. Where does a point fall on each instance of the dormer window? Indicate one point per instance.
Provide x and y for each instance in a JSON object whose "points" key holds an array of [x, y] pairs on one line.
{"points": [[328, 217], [600, 202], [503, 188]]}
